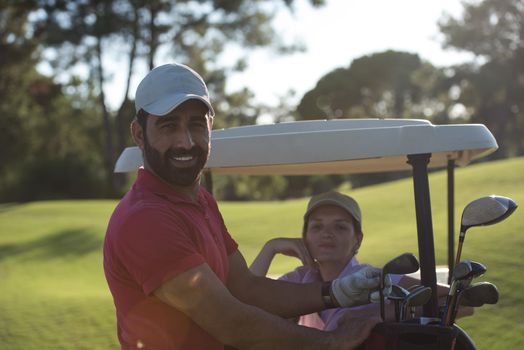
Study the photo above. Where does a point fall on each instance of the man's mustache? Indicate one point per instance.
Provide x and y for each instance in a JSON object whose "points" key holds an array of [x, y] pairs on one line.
{"points": [[195, 151]]}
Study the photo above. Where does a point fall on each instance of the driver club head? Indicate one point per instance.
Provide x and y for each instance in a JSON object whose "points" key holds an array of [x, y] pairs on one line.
{"points": [[481, 212], [487, 211]]}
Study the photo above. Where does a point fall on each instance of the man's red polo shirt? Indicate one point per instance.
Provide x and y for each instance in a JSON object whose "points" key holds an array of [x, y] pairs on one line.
{"points": [[155, 234]]}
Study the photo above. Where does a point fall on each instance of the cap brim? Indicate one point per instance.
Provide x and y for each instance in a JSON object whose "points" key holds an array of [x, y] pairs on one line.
{"points": [[331, 201], [166, 104]]}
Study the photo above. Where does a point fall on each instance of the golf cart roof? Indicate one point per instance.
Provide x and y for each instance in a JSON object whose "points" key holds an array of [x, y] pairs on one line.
{"points": [[337, 146]]}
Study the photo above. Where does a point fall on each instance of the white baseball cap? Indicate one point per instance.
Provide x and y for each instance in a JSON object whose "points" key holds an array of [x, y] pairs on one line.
{"points": [[166, 87]]}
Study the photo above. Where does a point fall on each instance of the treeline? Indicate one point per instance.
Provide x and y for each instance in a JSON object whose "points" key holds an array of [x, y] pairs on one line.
{"points": [[60, 137]]}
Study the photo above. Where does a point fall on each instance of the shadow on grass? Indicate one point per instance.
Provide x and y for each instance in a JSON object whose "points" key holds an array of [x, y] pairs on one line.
{"points": [[6, 207], [67, 243]]}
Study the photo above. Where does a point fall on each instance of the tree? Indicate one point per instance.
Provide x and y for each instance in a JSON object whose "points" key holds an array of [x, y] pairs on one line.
{"points": [[387, 84], [492, 86], [49, 145], [194, 32], [16, 66], [378, 85]]}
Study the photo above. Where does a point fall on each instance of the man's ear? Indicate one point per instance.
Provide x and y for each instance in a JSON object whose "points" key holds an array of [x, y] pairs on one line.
{"points": [[137, 133]]}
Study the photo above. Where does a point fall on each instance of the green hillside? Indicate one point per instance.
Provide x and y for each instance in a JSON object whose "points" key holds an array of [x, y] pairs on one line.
{"points": [[53, 293]]}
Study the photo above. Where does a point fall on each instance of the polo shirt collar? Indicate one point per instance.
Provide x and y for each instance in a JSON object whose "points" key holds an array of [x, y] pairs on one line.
{"points": [[148, 180]]}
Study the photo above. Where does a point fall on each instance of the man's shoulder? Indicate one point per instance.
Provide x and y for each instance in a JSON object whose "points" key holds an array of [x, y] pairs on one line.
{"points": [[137, 210], [136, 202]]}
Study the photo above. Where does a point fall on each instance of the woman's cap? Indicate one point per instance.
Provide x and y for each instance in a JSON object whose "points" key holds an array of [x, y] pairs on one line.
{"points": [[166, 87], [334, 198]]}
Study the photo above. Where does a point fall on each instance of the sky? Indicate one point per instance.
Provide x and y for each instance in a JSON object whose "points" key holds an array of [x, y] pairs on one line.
{"points": [[342, 31], [334, 35]]}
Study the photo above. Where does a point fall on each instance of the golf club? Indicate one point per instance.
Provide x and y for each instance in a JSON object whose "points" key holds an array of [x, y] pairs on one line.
{"points": [[418, 297], [479, 294], [477, 270], [467, 270], [402, 264], [475, 295], [412, 289], [481, 212], [397, 295], [460, 272]]}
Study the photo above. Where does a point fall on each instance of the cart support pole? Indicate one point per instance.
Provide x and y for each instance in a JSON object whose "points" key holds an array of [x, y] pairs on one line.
{"points": [[426, 249], [451, 218]]}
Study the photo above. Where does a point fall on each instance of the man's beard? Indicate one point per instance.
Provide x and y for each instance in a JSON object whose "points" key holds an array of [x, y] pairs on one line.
{"points": [[163, 166]]}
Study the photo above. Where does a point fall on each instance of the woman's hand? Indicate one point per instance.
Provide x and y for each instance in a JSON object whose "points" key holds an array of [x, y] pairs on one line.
{"points": [[291, 247], [287, 246]]}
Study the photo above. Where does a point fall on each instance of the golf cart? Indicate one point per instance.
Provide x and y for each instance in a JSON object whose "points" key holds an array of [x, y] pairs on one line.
{"points": [[345, 146]]}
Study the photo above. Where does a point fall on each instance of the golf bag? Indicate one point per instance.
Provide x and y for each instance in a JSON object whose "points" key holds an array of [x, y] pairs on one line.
{"points": [[411, 336]]}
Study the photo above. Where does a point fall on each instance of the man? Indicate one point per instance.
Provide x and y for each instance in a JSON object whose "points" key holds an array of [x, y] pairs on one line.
{"points": [[176, 275]]}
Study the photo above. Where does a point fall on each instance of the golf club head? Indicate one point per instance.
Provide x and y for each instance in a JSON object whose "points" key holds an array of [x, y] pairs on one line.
{"points": [[461, 272], [475, 295], [402, 264], [459, 280], [414, 287], [398, 293], [486, 211], [418, 297], [478, 269], [479, 294]]}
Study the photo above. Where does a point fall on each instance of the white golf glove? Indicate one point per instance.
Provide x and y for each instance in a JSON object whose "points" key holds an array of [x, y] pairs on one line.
{"points": [[361, 287]]}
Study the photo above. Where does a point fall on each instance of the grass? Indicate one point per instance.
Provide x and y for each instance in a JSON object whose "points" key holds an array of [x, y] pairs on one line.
{"points": [[53, 294]]}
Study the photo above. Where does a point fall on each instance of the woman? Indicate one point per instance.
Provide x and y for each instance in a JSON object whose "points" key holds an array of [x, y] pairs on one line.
{"points": [[331, 237]]}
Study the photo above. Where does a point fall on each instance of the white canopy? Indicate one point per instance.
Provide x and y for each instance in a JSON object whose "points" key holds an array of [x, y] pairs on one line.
{"points": [[338, 146]]}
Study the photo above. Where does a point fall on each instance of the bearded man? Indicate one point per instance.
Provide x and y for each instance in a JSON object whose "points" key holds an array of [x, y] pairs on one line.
{"points": [[176, 275]]}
